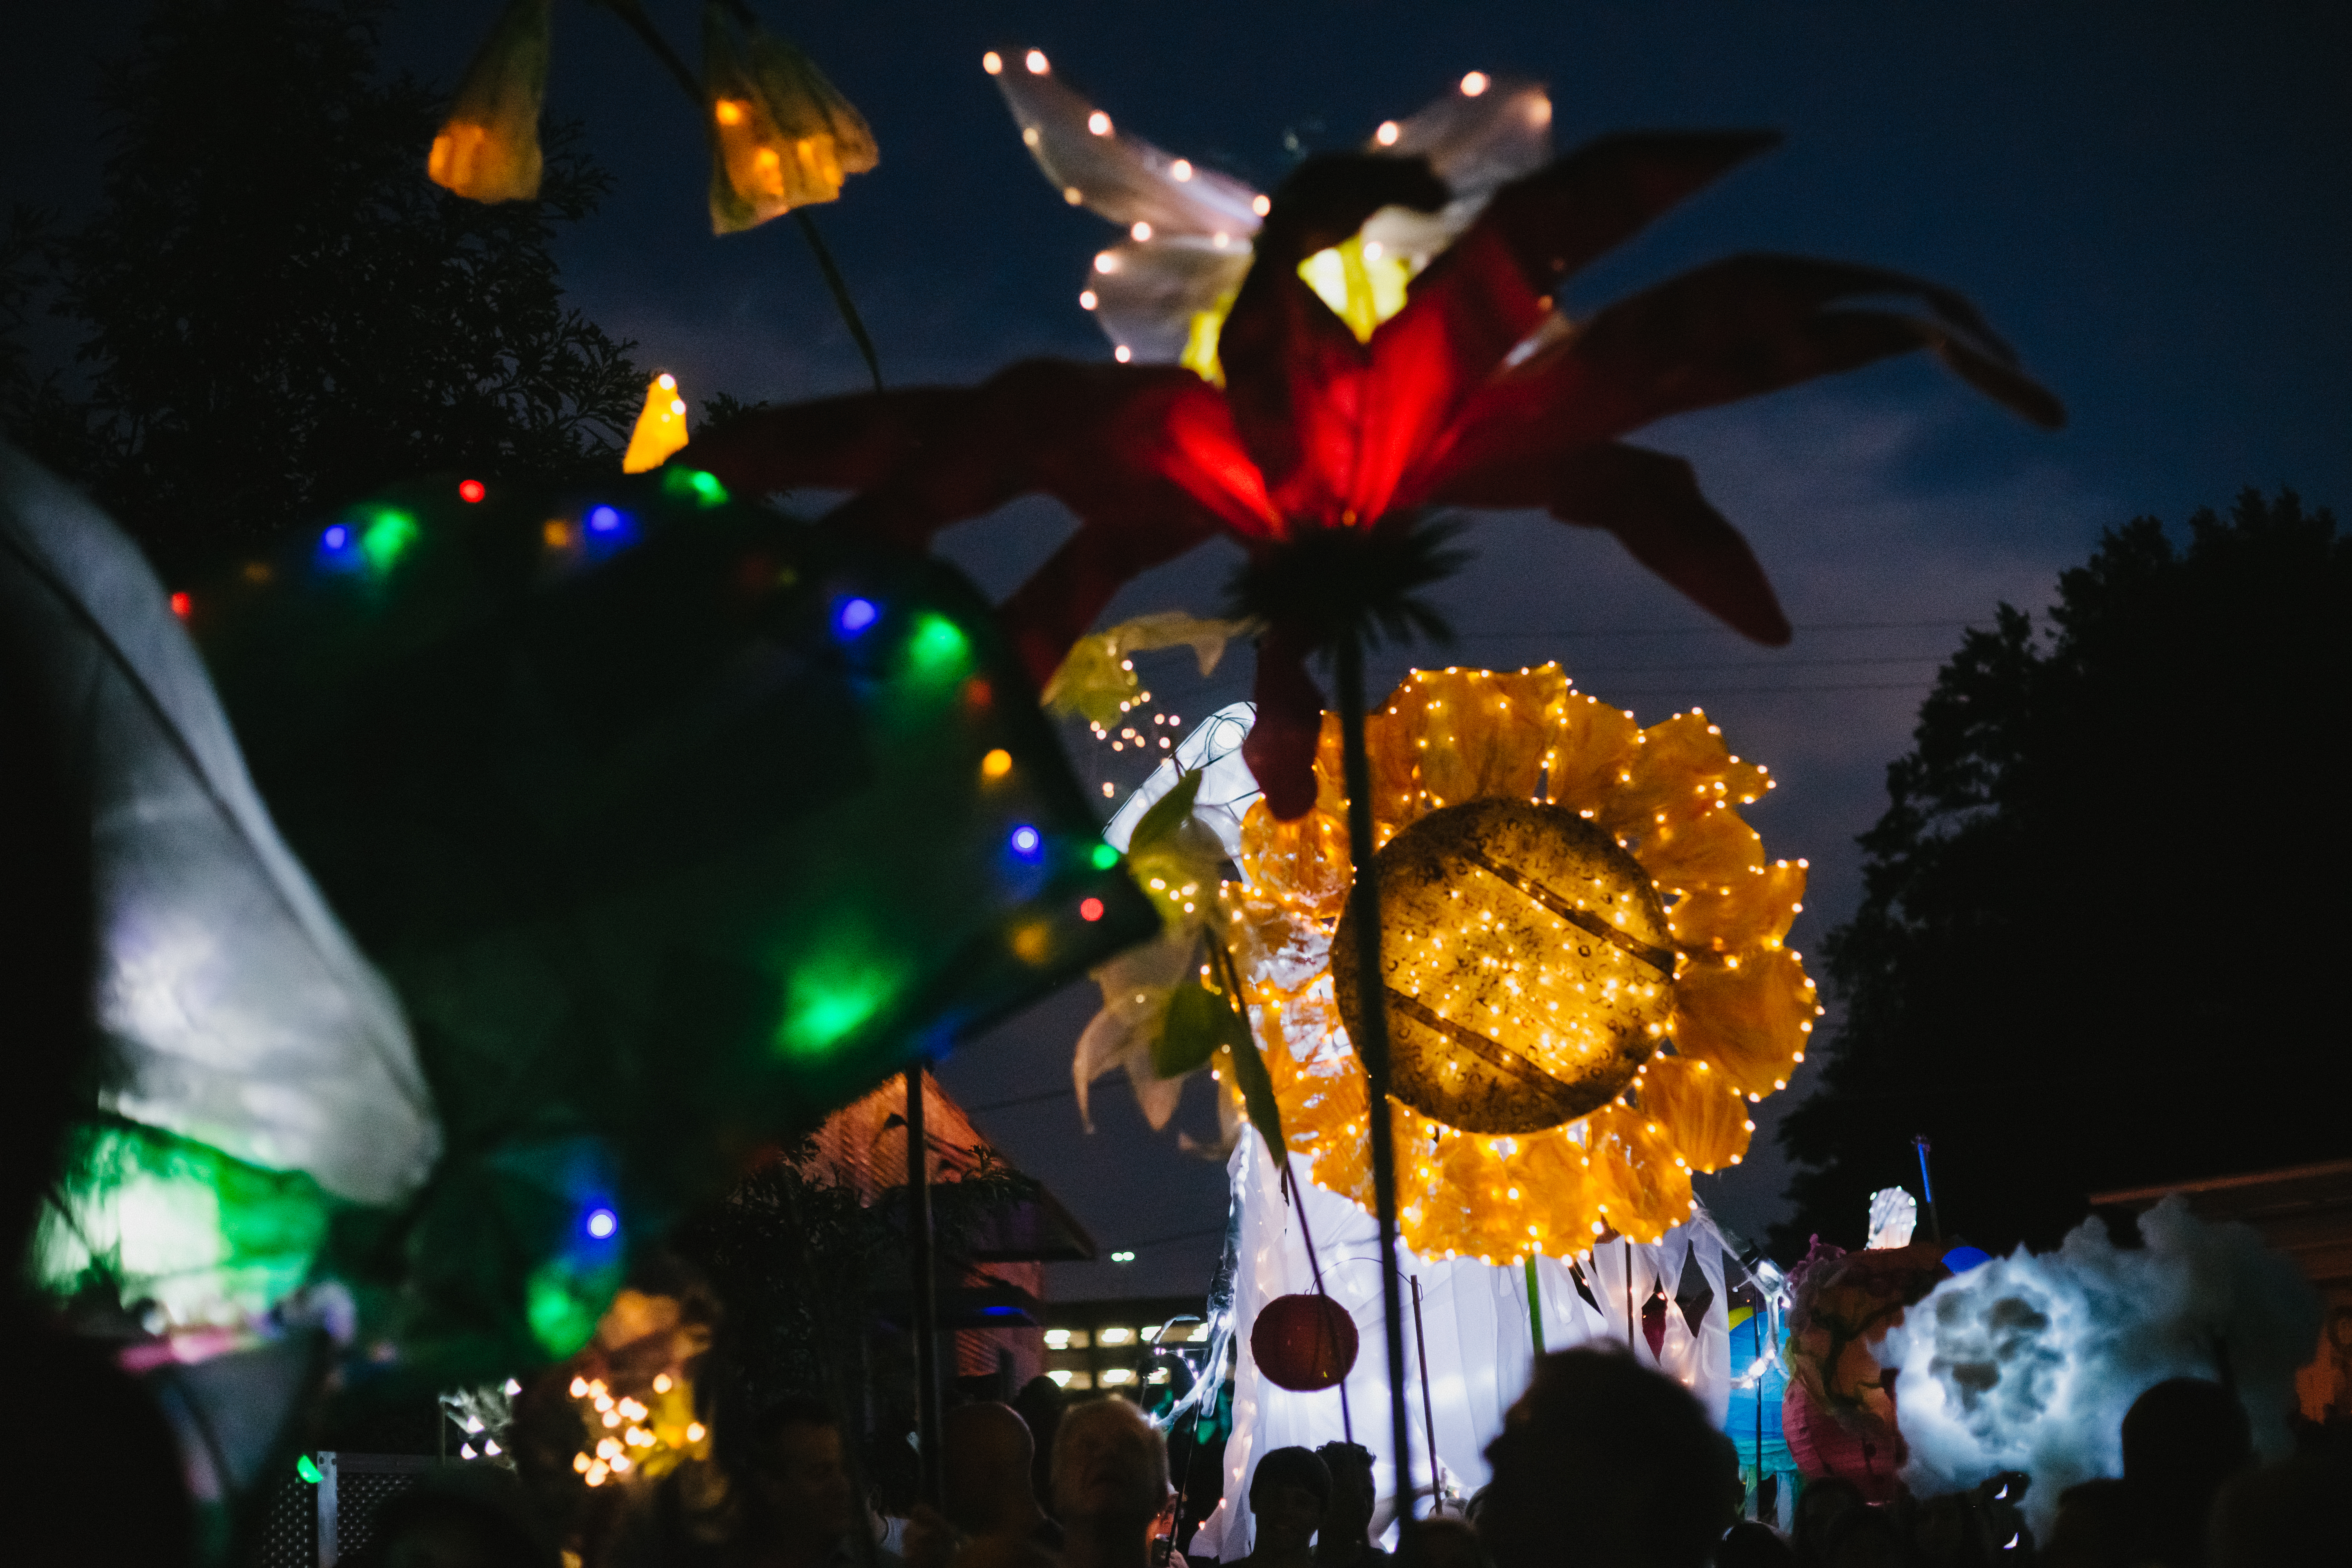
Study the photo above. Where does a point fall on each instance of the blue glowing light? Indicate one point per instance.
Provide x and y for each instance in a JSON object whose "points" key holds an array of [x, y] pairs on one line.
{"points": [[855, 615], [1027, 842], [1960, 1259], [602, 1223], [336, 537], [604, 519]]}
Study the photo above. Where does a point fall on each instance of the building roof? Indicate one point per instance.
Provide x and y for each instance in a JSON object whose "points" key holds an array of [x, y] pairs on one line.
{"points": [[2303, 1211], [865, 1142]]}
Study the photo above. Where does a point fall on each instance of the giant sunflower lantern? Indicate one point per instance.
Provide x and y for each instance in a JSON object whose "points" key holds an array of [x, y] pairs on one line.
{"points": [[1588, 983]]}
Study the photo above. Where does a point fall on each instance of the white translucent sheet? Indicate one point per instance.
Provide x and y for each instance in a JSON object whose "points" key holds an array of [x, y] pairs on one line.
{"points": [[1474, 1319], [241, 1014]]}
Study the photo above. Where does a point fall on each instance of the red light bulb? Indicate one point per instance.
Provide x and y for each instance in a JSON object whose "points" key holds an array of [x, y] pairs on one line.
{"points": [[469, 491]]}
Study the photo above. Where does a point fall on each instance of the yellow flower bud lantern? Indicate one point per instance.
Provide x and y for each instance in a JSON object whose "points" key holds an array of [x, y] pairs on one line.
{"points": [[1586, 978]]}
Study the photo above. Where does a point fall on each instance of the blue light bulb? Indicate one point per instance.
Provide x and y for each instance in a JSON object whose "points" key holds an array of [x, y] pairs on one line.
{"points": [[604, 519], [336, 537], [1027, 842], [855, 615], [602, 1223]]}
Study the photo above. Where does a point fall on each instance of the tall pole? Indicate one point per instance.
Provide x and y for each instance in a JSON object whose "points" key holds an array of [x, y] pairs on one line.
{"points": [[1928, 1189], [926, 1281], [1373, 1046], [1428, 1409]]}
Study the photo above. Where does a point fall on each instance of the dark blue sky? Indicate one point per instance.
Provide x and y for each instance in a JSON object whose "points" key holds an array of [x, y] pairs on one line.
{"points": [[2149, 200]]}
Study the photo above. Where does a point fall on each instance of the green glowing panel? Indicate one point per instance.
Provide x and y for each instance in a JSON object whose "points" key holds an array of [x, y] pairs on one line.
{"points": [[653, 847], [207, 1237]]}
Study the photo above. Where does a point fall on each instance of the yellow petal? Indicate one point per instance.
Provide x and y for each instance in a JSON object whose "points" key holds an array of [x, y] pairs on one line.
{"points": [[1703, 851], [1305, 861], [660, 429], [1592, 747], [1681, 767], [1702, 1115], [487, 150], [1750, 910], [782, 137], [1747, 1018], [1641, 1192], [1485, 734], [1552, 1175]]}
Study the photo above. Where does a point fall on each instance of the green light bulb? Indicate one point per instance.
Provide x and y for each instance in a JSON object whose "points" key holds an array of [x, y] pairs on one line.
{"points": [[1105, 857]]}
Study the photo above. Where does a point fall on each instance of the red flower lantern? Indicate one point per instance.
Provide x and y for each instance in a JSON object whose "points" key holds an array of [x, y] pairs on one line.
{"points": [[1305, 1343], [1323, 455]]}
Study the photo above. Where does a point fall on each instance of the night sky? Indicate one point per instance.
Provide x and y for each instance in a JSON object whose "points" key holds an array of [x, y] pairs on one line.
{"points": [[2147, 200]]}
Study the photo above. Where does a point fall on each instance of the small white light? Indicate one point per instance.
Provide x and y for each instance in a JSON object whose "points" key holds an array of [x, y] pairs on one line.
{"points": [[1105, 262], [1087, 300], [1122, 353], [1372, 253], [993, 63], [1388, 133], [668, 382], [677, 406], [1181, 169], [1472, 84], [1072, 195], [1035, 61], [1098, 122], [1142, 231], [1029, 136], [1261, 205]]}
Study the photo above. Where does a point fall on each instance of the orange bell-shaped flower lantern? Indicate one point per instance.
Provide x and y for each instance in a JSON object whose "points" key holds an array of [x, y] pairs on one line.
{"points": [[487, 150]]}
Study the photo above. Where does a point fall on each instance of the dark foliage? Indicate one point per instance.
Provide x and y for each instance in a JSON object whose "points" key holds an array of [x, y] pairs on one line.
{"points": [[281, 313], [2104, 908]]}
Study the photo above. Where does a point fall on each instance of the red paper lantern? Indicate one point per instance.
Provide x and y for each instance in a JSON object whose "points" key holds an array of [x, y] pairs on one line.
{"points": [[1304, 1343]]}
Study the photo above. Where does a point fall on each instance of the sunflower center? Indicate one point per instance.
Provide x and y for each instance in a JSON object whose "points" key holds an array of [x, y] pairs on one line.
{"points": [[1529, 971]]}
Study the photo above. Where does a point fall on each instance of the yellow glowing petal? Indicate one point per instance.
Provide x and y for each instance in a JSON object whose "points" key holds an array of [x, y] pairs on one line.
{"points": [[1704, 851], [1361, 290], [1674, 771], [1698, 1110], [1549, 1170], [660, 429], [1595, 741], [1304, 861], [1489, 735], [1199, 355], [782, 136], [1641, 1190], [487, 150], [1749, 911], [1745, 1017]]}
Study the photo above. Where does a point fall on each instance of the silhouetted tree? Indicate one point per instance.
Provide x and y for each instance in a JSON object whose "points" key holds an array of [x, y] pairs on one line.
{"points": [[282, 312], [2105, 911]]}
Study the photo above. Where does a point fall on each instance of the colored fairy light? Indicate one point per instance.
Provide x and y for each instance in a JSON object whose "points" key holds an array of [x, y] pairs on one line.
{"points": [[470, 490], [1105, 857], [853, 616], [1090, 910], [939, 647], [308, 1468], [1027, 842], [602, 1222], [336, 537], [1120, 1257], [388, 538], [604, 519], [180, 605], [996, 764]]}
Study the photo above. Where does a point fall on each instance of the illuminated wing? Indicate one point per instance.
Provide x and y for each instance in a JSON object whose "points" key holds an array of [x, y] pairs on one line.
{"points": [[1189, 229], [1478, 137], [240, 1015]]}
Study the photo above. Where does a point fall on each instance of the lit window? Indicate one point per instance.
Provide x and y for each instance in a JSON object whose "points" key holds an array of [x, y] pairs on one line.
{"points": [[1118, 1375], [1058, 1339], [1118, 1336], [1061, 1379]]}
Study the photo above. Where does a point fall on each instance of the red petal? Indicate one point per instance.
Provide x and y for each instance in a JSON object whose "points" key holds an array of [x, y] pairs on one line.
{"points": [[1280, 749], [1106, 441], [1480, 300], [1652, 503], [1060, 601], [1294, 375], [1735, 328]]}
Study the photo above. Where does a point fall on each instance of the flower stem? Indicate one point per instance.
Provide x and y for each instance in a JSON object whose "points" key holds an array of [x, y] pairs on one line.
{"points": [[1372, 1043]]}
